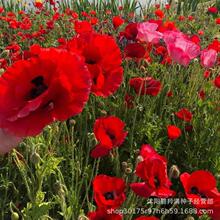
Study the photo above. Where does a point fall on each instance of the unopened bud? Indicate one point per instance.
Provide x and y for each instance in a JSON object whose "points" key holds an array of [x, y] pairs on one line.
{"points": [[14, 216], [5, 54], [128, 170], [35, 158], [103, 112], [60, 189], [83, 217], [139, 159], [174, 172], [124, 164], [72, 122], [142, 68], [1, 71]]}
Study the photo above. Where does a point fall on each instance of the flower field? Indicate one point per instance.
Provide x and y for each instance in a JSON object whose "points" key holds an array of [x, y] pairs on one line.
{"points": [[109, 110]]}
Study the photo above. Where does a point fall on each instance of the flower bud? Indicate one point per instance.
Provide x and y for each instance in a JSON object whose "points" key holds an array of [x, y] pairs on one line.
{"points": [[174, 172], [139, 159], [128, 170], [60, 189], [72, 122], [14, 216], [1, 71], [5, 54], [124, 164], [35, 158], [103, 112]]}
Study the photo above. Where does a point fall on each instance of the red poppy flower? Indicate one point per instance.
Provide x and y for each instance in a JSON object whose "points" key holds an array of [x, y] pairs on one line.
{"points": [[200, 32], [147, 218], [173, 132], [217, 20], [129, 101], [82, 27], [213, 10], [196, 39], [216, 209], [55, 85], [103, 58], [215, 45], [201, 94], [217, 82], [92, 12], [147, 151], [167, 6], [169, 94], [181, 18], [200, 186], [108, 191], [188, 128], [94, 21], [153, 171], [184, 114], [100, 214], [38, 4], [134, 50], [146, 86], [117, 21], [159, 13], [190, 18], [109, 131], [206, 74], [131, 31]]}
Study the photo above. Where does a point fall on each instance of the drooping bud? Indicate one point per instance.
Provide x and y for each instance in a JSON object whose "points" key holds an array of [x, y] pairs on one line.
{"points": [[174, 172], [14, 216], [35, 158]]}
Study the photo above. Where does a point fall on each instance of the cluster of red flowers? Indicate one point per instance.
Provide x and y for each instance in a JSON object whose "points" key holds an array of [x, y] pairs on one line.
{"points": [[109, 192], [55, 83]]}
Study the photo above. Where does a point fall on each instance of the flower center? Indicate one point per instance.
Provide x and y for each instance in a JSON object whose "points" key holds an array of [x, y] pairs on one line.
{"points": [[156, 182], [112, 136], [39, 87], [109, 196], [195, 190], [90, 61]]}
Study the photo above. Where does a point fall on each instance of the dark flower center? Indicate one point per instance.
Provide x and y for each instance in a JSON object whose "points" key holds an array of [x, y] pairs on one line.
{"points": [[90, 61], [109, 196], [195, 190], [156, 182], [112, 136], [39, 87]]}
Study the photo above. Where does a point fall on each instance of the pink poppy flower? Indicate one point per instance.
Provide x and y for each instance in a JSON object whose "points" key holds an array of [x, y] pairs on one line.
{"points": [[208, 58], [180, 48], [147, 32]]}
